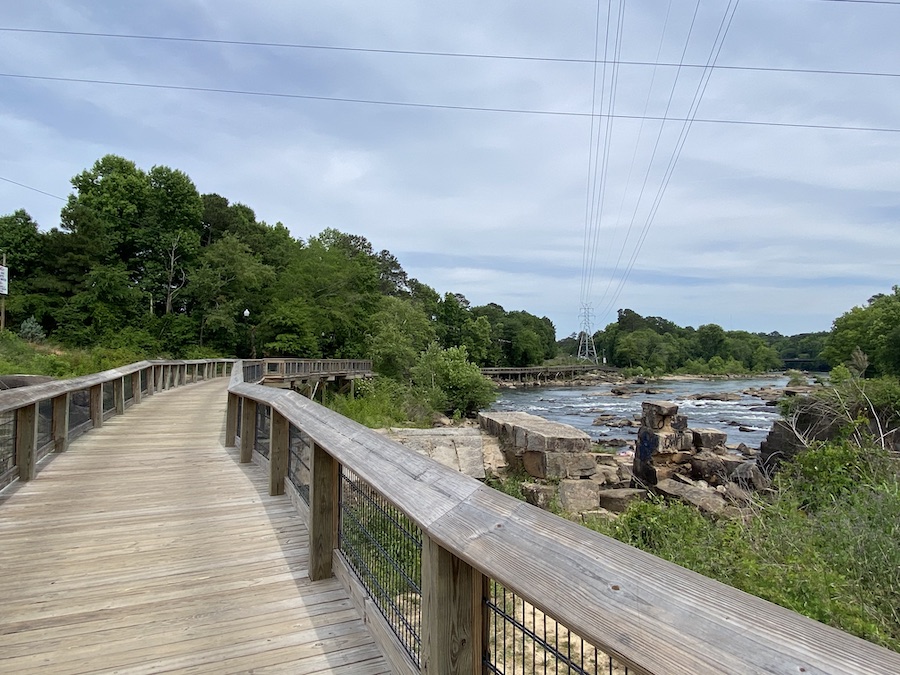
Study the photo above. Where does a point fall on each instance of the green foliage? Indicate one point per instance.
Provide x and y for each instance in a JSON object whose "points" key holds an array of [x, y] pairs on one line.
{"points": [[451, 383], [145, 262], [839, 375], [18, 357], [31, 330], [660, 346], [874, 330], [796, 378], [400, 331], [824, 473], [381, 403], [838, 564]]}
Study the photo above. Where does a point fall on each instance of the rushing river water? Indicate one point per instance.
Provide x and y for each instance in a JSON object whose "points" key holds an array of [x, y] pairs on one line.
{"points": [[580, 406]]}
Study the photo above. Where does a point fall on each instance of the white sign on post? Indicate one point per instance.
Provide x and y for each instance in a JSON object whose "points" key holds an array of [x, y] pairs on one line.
{"points": [[4, 280]]}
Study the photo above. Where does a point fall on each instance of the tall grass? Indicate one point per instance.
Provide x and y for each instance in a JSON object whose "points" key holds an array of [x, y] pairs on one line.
{"points": [[18, 357]]}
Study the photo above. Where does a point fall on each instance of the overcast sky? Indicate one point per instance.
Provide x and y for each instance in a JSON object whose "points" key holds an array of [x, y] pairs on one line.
{"points": [[498, 183]]}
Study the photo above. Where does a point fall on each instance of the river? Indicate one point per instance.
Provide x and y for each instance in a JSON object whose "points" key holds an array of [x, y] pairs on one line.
{"points": [[580, 406]]}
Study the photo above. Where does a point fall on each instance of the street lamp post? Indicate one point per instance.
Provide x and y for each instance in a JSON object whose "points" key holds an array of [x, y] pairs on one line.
{"points": [[252, 335]]}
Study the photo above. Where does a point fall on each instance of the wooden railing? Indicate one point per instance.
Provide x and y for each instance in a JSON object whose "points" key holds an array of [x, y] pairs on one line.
{"points": [[316, 367], [651, 616], [40, 419]]}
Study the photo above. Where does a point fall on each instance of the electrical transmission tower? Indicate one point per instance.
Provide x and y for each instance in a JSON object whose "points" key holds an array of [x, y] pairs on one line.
{"points": [[586, 349]]}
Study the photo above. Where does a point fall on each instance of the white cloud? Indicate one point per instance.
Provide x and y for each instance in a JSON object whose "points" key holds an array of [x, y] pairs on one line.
{"points": [[766, 228]]}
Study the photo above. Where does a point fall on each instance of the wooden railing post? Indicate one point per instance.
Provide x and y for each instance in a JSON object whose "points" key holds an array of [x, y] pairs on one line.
{"points": [[59, 427], [279, 441], [136, 387], [26, 441], [324, 474], [119, 395], [231, 420], [452, 613], [248, 429], [97, 406]]}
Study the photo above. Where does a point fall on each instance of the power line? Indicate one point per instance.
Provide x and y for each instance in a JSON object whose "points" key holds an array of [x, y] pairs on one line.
{"points": [[442, 106], [34, 189], [470, 55]]}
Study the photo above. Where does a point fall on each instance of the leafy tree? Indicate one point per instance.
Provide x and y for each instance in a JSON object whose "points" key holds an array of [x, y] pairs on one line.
{"points": [[873, 329], [451, 382], [400, 333], [711, 341], [227, 280]]}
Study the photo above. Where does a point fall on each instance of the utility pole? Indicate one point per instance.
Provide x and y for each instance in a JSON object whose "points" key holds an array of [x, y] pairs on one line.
{"points": [[4, 289], [586, 349]]}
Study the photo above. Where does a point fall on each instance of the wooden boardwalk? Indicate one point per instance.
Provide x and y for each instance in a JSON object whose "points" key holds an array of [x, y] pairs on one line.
{"points": [[147, 548]]}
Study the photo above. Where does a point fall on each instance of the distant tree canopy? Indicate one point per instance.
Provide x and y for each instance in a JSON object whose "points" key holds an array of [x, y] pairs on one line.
{"points": [[874, 330], [657, 345], [143, 261]]}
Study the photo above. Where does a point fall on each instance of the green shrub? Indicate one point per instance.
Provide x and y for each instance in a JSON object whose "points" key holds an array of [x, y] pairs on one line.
{"points": [[31, 330], [382, 402], [451, 383], [796, 378]]}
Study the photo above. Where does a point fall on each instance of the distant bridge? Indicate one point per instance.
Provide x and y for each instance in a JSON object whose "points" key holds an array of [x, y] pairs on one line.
{"points": [[544, 373]]}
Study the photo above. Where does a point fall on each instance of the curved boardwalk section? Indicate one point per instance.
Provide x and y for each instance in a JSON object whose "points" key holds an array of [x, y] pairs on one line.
{"points": [[147, 548]]}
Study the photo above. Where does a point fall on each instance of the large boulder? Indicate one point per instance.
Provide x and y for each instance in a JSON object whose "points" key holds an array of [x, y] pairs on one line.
{"points": [[708, 438], [708, 466], [707, 500], [538, 494], [559, 464], [749, 476], [657, 415], [576, 496], [617, 500]]}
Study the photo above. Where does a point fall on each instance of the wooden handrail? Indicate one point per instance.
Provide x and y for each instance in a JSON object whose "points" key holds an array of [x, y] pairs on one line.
{"points": [[25, 401], [650, 614], [11, 399]]}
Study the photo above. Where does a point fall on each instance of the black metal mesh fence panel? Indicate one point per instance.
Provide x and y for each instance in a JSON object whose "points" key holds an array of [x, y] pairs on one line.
{"points": [[522, 640], [79, 408], [129, 388], [384, 548], [298, 462], [144, 381], [109, 397], [45, 423], [253, 372], [7, 442], [263, 429]]}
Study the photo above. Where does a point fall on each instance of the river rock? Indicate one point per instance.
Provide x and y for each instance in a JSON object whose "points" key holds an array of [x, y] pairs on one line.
{"points": [[715, 396], [708, 466], [460, 449], [749, 476], [617, 500], [539, 495], [708, 438], [656, 415], [559, 464], [708, 501], [736, 494], [606, 475], [576, 496]]}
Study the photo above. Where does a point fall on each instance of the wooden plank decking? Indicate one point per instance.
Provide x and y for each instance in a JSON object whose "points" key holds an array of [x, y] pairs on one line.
{"points": [[147, 548]]}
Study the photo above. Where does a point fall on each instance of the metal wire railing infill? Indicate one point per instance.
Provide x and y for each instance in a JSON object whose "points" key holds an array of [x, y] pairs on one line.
{"points": [[384, 549]]}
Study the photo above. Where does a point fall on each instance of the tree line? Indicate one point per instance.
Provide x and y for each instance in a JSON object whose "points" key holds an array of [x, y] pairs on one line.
{"points": [[144, 262], [654, 345]]}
